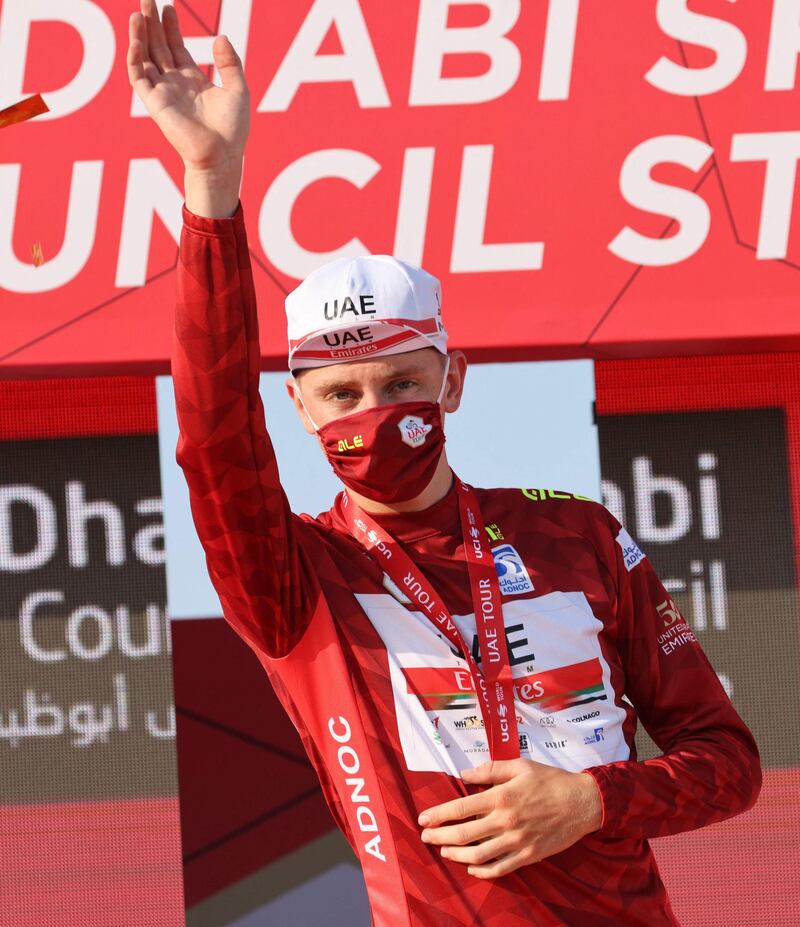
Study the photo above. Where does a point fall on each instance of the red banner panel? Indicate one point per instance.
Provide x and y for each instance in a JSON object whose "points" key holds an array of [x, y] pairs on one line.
{"points": [[586, 181]]}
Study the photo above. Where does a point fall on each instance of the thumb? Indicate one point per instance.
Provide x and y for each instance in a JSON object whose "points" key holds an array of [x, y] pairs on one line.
{"points": [[491, 773], [229, 65]]}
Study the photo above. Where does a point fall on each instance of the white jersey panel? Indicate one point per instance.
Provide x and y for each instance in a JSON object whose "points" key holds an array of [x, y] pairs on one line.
{"points": [[567, 714]]}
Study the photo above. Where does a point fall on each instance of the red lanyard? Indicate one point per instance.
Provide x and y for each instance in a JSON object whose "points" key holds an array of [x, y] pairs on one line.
{"points": [[495, 683]]}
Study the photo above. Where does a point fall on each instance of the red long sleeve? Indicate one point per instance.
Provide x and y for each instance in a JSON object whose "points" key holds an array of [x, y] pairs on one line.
{"points": [[240, 511], [710, 769]]}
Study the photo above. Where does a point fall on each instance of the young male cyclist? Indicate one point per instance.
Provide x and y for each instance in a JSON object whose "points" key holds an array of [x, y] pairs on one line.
{"points": [[465, 666]]}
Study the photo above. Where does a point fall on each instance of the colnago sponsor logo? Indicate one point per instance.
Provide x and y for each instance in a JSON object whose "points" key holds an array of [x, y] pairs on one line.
{"points": [[350, 764], [511, 571], [631, 552], [413, 431], [443, 688], [587, 717]]}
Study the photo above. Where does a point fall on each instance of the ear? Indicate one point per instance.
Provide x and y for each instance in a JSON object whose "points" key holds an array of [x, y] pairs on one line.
{"points": [[294, 395], [455, 381]]}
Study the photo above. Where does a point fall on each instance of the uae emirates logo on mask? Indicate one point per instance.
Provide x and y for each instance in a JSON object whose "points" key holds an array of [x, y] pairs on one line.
{"points": [[413, 430]]}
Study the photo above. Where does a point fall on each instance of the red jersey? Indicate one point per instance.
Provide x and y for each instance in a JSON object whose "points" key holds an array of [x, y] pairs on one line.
{"points": [[385, 705]]}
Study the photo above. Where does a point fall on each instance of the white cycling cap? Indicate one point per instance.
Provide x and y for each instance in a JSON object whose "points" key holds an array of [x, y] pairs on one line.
{"points": [[354, 308]]}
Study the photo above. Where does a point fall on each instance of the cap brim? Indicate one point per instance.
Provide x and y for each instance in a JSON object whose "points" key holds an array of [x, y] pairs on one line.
{"points": [[337, 345]]}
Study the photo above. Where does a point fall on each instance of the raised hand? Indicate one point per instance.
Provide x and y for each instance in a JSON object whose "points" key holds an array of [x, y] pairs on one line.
{"points": [[205, 124]]}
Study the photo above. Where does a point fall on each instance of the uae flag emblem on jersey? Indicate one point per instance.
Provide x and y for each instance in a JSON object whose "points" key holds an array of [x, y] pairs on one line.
{"points": [[446, 688]]}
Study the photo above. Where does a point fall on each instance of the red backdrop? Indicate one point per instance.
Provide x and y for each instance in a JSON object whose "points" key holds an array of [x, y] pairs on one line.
{"points": [[561, 112]]}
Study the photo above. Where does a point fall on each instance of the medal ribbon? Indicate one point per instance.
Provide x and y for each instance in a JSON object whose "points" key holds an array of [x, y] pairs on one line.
{"points": [[494, 685]]}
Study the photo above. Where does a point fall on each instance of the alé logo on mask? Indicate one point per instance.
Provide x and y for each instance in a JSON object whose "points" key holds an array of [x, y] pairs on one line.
{"points": [[413, 432], [346, 444]]}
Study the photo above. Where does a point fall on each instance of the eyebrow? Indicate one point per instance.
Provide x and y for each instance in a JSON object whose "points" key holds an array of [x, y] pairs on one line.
{"points": [[329, 386]]}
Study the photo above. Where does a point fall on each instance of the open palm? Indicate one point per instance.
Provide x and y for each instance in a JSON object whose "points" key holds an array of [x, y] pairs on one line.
{"points": [[207, 125]]}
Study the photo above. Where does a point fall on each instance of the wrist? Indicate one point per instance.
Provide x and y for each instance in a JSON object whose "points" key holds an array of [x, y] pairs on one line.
{"points": [[213, 192], [591, 803]]}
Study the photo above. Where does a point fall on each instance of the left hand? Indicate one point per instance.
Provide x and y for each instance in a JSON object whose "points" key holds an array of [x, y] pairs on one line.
{"points": [[529, 812]]}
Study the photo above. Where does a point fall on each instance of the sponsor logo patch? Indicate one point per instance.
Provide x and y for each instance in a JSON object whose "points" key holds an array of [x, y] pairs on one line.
{"points": [[413, 431], [580, 718], [595, 737], [514, 578], [631, 552]]}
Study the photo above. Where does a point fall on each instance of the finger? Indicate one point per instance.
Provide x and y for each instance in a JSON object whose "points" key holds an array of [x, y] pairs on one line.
{"points": [[462, 834], [503, 865], [466, 807], [142, 73], [172, 33], [229, 65], [140, 67], [482, 854], [156, 42], [136, 72], [137, 47], [137, 31], [135, 57], [493, 772]]}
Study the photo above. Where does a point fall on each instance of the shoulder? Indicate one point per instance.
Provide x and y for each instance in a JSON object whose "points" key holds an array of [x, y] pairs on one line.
{"points": [[568, 509], [556, 513]]}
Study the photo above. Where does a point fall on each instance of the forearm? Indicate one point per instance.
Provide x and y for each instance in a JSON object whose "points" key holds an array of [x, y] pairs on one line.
{"points": [[240, 511], [702, 781], [710, 768]]}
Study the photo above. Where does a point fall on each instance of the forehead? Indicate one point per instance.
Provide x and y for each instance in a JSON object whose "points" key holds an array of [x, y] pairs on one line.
{"points": [[375, 370]]}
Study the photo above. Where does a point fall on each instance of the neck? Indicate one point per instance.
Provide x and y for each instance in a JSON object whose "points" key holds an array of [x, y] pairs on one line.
{"points": [[437, 489]]}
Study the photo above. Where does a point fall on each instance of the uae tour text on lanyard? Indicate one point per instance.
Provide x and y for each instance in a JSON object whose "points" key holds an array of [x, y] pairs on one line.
{"points": [[494, 684]]}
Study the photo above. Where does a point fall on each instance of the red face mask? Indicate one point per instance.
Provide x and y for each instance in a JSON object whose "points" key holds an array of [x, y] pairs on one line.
{"points": [[387, 453]]}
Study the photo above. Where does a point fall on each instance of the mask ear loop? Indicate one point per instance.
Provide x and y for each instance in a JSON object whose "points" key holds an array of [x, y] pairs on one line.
{"points": [[300, 397], [444, 380]]}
